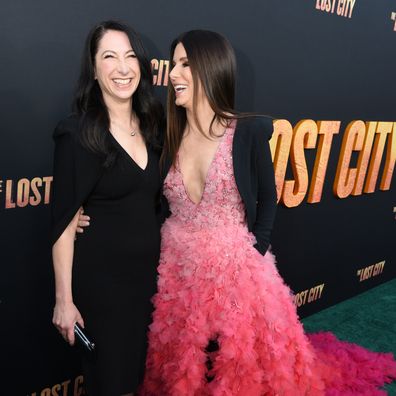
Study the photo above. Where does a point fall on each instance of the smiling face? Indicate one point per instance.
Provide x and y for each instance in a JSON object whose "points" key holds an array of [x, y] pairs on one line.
{"points": [[181, 78], [117, 68]]}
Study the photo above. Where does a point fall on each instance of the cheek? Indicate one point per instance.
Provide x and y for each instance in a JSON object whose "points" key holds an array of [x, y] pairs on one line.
{"points": [[137, 79], [103, 71], [188, 75], [191, 87], [136, 68]]}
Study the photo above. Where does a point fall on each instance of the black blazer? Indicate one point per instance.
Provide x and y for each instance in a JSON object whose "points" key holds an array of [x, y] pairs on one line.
{"points": [[254, 176], [76, 171]]}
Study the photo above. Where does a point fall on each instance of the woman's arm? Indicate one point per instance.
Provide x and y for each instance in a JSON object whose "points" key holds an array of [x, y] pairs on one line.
{"points": [[73, 181], [266, 194], [65, 313]]}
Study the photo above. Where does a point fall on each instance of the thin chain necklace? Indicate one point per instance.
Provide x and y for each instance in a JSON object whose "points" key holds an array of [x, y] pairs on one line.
{"points": [[131, 133], [134, 130]]}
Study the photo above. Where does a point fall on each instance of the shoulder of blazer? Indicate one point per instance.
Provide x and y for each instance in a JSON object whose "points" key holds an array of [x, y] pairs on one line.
{"points": [[251, 128], [68, 132], [69, 125]]}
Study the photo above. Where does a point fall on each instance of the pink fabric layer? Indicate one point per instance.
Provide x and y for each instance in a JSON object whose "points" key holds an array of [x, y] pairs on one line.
{"points": [[213, 284]]}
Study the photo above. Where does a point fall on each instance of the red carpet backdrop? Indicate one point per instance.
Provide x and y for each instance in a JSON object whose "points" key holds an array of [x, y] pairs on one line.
{"points": [[324, 69]]}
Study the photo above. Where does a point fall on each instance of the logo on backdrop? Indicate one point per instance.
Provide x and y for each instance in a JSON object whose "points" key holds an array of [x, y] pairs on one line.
{"points": [[374, 143], [309, 295], [393, 17], [160, 69], [71, 387], [367, 139], [370, 271], [338, 7], [25, 192]]}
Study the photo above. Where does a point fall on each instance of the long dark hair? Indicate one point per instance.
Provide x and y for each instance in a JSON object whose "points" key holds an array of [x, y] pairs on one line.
{"points": [[212, 62], [88, 101]]}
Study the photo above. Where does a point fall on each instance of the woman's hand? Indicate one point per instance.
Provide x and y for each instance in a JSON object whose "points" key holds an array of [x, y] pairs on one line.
{"points": [[83, 221], [65, 316]]}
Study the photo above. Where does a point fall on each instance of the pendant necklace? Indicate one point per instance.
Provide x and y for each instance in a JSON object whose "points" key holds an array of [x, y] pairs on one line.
{"points": [[134, 130]]}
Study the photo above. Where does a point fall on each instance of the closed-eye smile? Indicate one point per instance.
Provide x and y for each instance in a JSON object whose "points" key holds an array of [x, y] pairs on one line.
{"points": [[122, 81]]}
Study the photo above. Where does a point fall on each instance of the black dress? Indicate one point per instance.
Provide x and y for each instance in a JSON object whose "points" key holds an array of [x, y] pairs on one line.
{"points": [[115, 259]]}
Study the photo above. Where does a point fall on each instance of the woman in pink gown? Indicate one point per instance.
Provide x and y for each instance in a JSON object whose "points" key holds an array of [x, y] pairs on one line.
{"points": [[218, 283]]}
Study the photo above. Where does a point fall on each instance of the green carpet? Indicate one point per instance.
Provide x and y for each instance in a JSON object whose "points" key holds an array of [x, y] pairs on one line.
{"points": [[368, 319]]}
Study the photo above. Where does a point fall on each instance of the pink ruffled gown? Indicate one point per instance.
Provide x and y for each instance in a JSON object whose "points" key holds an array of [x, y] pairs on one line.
{"points": [[213, 284]]}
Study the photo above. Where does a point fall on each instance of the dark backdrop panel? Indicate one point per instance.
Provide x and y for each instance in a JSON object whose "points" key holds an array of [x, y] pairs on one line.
{"points": [[295, 62]]}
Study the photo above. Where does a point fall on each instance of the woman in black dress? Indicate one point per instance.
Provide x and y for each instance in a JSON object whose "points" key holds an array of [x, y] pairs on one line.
{"points": [[106, 159]]}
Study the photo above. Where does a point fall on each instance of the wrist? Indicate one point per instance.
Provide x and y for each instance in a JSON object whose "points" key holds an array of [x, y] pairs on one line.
{"points": [[62, 300]]}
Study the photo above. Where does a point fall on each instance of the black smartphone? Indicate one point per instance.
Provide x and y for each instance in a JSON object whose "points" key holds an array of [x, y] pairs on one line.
{"points": [[83, 339]]}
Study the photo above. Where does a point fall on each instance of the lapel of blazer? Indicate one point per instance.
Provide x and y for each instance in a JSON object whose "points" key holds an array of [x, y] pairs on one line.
{"points": [[239, 153]]}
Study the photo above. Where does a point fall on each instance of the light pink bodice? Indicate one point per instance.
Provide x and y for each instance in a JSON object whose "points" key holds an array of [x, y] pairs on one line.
{"points": [[220, 204]]}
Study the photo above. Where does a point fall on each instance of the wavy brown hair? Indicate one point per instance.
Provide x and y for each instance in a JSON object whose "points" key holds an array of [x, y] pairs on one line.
{"points": [[212, 62]]}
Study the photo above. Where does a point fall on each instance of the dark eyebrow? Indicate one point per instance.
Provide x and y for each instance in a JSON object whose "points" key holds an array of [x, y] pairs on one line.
{"points": [[183, 59]]}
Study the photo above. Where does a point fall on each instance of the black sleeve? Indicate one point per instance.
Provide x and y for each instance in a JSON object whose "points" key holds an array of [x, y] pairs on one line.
{"points": [[266, 195], [75, 173], [163, 209]]}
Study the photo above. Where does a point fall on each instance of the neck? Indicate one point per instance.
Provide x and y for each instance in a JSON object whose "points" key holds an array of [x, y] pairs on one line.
{"points": [[119, 111], [204, 115]]}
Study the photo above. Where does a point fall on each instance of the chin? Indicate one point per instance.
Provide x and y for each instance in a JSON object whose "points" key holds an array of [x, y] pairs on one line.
{"points": [[181, 103], [125, 95]]}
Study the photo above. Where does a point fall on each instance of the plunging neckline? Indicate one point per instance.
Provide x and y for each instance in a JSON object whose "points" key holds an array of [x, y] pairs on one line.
{"points": [[130, 157], [207, 173]]}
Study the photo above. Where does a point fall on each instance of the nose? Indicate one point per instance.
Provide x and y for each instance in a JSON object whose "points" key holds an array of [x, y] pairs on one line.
{"points": [[173, 73], [122, 66]]}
